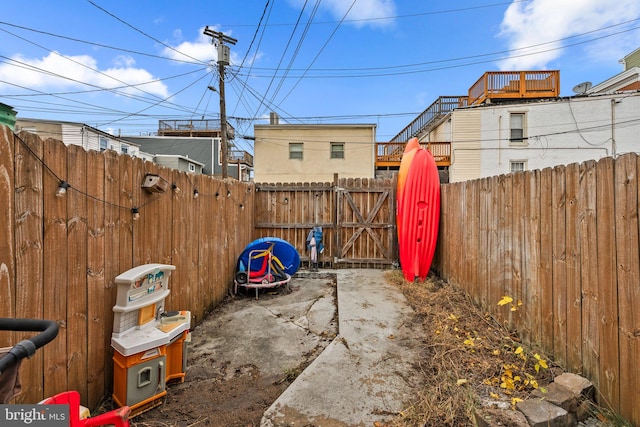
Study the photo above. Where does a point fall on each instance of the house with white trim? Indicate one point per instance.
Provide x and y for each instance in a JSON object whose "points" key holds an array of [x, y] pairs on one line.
{"points": [[499, 136], [74, 133]]}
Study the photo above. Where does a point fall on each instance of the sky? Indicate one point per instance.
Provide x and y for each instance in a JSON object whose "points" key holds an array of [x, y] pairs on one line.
{"points": [[122, 66]]}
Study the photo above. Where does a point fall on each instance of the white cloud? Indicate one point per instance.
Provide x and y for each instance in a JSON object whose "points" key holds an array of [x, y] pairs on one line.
{"points": [[124, 61], [528, 24], [368, 10], [55, 72], [201, 49]]}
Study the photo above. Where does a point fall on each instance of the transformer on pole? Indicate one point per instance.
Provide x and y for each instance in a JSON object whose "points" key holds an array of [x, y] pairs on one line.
{"points": [[219, 39]]}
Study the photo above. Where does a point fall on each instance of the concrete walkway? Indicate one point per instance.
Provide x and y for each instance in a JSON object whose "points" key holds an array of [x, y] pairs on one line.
{"points": [[367, 373]]}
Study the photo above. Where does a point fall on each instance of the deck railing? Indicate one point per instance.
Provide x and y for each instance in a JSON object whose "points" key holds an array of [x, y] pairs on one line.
{"points": [[189, 125], [389, 154], [205, 127], [242, 157], [440, 107], [515, 85]]}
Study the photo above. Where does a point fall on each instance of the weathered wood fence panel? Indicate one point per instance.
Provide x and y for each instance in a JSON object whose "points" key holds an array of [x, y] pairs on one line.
{"points": [[290, 211], [565, 242], [607, 290], [59, 256], [627, 254], [357, 217], [365, 222], [29, 285]]}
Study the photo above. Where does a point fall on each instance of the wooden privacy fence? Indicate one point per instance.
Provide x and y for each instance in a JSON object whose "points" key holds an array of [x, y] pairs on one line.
{"points": [[565, 242], [59, 255], [357, 217]]}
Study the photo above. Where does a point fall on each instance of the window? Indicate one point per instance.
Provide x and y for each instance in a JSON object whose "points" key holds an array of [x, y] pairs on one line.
{"points": [[337, 150], [518, 166], [517, 125], [104, 143], [192, 167], [295, 150], [124, 149]]}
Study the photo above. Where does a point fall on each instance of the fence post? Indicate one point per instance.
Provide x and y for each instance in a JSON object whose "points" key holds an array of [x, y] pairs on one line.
{"points": [[337, 241]]}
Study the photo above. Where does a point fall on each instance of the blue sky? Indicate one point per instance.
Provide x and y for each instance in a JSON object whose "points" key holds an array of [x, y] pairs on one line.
{"points": [[123, 65]]}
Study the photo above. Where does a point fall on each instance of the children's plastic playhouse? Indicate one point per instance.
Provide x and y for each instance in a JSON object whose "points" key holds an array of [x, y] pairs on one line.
{"points": [[149, 343]]}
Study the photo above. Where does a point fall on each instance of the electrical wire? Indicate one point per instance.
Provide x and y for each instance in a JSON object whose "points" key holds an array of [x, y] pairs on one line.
{"points": [[273, 76], [483, 55], [95, 44], [125, 85], [306, 73], [297, 50], [319, 52], [411, 15], [102, 89], [155, 104], [142, 32]]}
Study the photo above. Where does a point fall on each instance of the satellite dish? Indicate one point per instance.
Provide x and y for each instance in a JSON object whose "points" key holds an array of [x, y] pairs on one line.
{"points": [[582, 88]]}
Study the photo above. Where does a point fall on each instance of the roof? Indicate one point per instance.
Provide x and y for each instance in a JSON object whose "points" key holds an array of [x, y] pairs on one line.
{"points": [[178, 156], [320, 126], [616, 82], [77, 124]]}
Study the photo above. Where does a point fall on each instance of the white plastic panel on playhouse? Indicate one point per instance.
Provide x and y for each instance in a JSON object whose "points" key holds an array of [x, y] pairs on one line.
{"points": [[142, 285], [140, 321]]}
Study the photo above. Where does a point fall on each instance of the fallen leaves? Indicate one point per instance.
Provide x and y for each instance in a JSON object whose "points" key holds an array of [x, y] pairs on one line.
{"points": [[509, 300], [505, 300]]}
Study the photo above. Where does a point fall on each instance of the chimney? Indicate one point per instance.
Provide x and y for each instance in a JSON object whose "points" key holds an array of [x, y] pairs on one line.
{"points": [[273, 118]]}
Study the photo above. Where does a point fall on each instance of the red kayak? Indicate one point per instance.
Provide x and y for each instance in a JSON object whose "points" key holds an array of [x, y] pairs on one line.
{"points": [[418, 213]]}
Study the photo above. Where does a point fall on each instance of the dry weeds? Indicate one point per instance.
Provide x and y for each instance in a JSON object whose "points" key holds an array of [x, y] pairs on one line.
{"points": [[469, 357]]}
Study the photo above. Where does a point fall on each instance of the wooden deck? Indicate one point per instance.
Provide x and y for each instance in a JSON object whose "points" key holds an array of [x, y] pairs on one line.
{"points": [[501, 85], [389, 154]]}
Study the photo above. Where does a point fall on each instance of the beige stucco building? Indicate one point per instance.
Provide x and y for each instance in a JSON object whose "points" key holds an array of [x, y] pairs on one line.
{"points": [[313, 153]]}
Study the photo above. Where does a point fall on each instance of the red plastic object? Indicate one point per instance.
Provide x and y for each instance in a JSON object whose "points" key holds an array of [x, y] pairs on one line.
{"points": [[418, 214], [118, 417], [263, 268]]}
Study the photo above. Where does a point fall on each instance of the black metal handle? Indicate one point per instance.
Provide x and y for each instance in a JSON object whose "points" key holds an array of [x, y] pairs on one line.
{"points": [[48, 331]]}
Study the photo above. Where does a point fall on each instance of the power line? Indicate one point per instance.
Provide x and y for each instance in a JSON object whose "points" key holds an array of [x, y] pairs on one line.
{"points": [[297, 50], [100, 44], [155, 104], [397, 73], [273, 76], [410, 15], [125, 85], [141, 32], [320, 51], [103, 89]]}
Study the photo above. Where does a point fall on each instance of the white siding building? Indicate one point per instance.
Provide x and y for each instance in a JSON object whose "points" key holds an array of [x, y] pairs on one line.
{"points": [[87, 137], [496, 139]]}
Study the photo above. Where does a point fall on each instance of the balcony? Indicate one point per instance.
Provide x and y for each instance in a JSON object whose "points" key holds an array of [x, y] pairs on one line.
{"points": [[241, 157], [503, 85], [389, 154], [192, 128]]}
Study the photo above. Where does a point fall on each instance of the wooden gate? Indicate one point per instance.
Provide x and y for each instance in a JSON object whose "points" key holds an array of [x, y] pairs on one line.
{"points": [[357, 217], [365, 222]]}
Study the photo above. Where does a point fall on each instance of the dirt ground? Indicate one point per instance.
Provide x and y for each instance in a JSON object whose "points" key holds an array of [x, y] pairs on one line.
{"points": [[221, 394], [469, 359]]}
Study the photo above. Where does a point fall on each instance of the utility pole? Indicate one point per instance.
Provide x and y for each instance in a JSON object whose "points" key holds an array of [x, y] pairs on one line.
{"points": [[219, 39]]}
